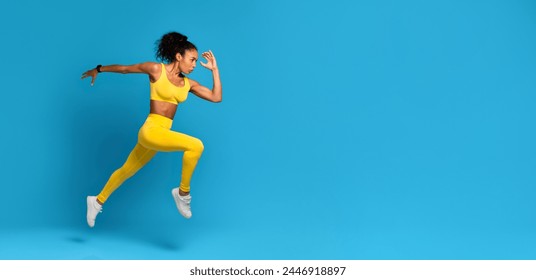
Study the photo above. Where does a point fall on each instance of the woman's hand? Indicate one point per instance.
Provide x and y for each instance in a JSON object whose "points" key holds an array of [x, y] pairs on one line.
{"points": [[211, 61], [90, 73]]}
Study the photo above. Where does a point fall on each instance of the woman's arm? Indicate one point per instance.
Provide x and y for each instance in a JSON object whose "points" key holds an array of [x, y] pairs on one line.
{"points": [[214, 95], [149, 68]]}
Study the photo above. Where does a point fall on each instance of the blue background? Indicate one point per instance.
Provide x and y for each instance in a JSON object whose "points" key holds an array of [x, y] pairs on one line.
{"points": [[348, 130]]}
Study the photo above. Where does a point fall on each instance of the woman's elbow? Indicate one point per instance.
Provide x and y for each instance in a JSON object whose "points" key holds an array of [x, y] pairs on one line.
{"points": [[216, 98]]}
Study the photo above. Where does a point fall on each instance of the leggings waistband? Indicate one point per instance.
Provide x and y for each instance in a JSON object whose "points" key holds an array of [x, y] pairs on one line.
{"points": [[161, 120]]}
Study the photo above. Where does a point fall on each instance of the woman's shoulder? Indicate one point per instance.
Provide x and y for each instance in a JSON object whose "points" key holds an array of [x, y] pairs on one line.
{"points": [[153, 65], [154, 69]]}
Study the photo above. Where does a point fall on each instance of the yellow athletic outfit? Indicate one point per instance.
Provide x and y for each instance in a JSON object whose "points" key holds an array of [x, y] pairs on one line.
{"points": [[155, 135]]}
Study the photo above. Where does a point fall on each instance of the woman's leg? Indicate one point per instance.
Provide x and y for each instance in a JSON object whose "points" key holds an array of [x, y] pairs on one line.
{"points": [[165, 140], [136, 160], [156, 135]]}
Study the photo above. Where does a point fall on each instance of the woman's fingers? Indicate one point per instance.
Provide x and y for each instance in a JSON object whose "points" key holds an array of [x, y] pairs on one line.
{"points": [[88, 74], [208, 54], [211, 60]]}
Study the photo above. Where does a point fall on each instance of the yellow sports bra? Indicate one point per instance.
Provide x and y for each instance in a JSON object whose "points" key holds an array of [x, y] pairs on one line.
{"points": [[164, 90]]}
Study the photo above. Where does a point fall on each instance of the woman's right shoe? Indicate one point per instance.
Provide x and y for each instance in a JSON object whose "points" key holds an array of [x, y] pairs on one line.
{"points": [[182, 202], [93, 209]]}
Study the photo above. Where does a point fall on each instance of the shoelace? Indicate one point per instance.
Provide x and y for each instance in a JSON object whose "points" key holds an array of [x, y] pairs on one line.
{"points": [[186, 199], [100, 210]]}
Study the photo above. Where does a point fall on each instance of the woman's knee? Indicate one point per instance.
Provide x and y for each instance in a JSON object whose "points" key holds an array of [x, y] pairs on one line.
{"points": [[196, 147]]}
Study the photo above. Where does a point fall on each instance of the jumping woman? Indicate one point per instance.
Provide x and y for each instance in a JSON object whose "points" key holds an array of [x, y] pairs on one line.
{"points": [[169, 87]]}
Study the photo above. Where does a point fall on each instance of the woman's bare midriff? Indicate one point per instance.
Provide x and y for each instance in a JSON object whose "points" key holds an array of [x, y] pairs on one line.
{"points": [[162, 108]]}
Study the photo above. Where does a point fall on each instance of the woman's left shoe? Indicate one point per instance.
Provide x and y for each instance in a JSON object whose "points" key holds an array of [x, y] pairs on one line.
{"points": [[93, 209]]}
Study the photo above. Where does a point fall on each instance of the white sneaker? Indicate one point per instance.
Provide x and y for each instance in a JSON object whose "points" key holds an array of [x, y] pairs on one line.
{"points": [[182, 202], [93, 208]]}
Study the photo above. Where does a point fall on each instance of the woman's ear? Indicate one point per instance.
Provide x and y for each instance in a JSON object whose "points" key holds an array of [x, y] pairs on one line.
{"points": [[178, 57]]}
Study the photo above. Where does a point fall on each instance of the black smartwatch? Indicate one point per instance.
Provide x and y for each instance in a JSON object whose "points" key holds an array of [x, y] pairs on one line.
{"points": [[98, 68]]}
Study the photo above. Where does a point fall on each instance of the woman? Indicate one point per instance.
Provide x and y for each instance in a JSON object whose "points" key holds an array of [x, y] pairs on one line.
{"points": [[169, 87]]}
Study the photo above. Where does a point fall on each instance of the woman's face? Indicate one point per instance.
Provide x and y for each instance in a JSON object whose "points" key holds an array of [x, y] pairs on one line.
{"points": [[187, 61]]}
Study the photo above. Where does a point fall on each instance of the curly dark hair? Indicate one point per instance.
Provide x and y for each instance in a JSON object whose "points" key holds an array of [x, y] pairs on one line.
{"points": [[170, 44]]}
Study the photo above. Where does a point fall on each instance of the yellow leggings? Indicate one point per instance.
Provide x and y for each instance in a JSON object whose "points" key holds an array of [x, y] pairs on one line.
{"points": [[155, 135]]}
